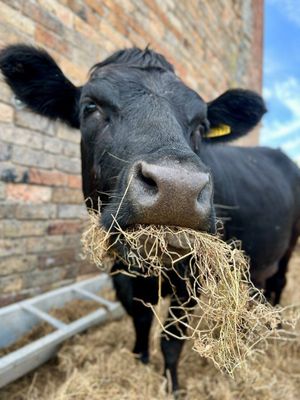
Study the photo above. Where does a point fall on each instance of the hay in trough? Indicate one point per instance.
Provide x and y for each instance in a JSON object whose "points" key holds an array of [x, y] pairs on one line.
{"points": [[37, 332], [99, 365], [71, 311], [231, 321]]}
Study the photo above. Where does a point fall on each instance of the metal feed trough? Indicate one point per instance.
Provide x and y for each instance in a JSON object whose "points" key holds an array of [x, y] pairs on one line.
{"points": [[18, 319]]}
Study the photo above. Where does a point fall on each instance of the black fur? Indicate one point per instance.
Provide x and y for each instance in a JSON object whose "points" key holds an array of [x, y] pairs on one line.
{"points": [[37, 81], [238, 108], [136, 57]]}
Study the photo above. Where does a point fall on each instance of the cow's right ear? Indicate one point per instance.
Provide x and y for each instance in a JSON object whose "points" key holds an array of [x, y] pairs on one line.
{"points": [[38, 82]]}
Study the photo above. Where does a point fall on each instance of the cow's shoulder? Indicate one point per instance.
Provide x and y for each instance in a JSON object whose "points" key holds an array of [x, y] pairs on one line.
{"points": [[256, 181], [256, 198], [248, 161]]}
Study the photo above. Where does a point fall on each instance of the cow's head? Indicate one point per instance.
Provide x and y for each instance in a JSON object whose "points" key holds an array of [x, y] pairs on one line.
{"points": [[143, 132]]}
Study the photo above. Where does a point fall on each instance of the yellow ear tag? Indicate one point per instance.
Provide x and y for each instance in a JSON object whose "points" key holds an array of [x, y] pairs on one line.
{"points": [[220, 130]]}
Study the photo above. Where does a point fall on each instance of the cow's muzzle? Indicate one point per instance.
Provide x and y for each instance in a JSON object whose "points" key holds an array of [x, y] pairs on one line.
{"points": [[171, 194]]}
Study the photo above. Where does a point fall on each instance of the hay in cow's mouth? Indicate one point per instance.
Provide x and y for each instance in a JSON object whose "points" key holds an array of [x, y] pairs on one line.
{"points": [[231, 323]]}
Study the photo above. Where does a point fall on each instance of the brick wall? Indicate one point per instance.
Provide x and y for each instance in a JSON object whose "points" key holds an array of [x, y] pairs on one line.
{"points": [[214, 44]]}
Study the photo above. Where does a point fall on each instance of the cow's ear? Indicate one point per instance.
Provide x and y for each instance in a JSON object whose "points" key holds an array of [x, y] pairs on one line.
{"points": [[38, 82], [233, 114]]}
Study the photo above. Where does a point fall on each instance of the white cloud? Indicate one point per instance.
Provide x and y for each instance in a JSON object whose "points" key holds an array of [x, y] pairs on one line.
{"points": [[267, 93], [290, 8], [277, 129], [290, 144], [272, 65], [288, 94]]}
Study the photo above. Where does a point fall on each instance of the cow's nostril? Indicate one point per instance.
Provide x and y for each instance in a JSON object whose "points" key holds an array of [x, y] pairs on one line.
{"points": [[147, 182]]}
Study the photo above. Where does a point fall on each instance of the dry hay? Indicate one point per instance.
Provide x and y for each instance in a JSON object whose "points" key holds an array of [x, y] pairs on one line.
{"points": [[74, 309], [99, 365], [231, 322], [37, 332]]}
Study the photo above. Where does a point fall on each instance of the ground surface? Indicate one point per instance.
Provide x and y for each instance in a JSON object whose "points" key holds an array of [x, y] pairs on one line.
{"points": [[99, 365]]}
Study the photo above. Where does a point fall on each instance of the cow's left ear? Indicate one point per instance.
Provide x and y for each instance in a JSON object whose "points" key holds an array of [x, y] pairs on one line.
{"points": [[233, 114]]}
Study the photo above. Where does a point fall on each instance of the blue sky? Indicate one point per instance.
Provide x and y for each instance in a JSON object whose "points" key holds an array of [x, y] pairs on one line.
{"points": [[281, 72]]}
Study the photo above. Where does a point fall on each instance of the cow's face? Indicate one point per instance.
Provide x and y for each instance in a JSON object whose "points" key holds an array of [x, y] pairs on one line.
{"points": [[143, 132], [140, 128]]}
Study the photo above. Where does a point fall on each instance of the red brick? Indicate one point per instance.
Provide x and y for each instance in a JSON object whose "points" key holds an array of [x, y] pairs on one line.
{"points": [[6, 299], [51, 40], [27, 193], [62, 13], [64, 227], [74, 72], [77, 7], [28, 119], [12, 228], [48, 178], [21, 136], [85, 29], [54, 178], [14, 3], [38, 211], [15, 264], [38, 278], [71, 211], [2, 191], [48, 243], [66, 195], [9, 247], [5, 92], [42, 16], [93, 19], [6, 113], [6, 150], [109, 31], [7, 210], [118, 19], [67, 164], [17, 20], [86, 267], [74, 181], [11, 284], [67, 133], [56, 258], [25, 156], [96, 5]]}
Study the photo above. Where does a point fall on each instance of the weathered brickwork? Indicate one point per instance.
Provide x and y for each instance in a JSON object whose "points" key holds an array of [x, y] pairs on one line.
{"points": [[213, 44]]}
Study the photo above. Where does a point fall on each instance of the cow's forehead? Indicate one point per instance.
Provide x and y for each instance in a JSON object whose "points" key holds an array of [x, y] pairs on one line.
{"points": [[125, 81], [120, 74]]}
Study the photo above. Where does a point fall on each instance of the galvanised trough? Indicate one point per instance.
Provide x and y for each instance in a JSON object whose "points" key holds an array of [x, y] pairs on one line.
{"points": [[18, 319]]}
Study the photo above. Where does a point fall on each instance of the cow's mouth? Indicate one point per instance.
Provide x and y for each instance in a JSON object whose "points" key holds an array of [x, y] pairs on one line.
{"points": [[169, 245]]}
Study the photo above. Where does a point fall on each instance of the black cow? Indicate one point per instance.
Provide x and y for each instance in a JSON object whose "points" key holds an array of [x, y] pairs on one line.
{"points": [[143, 129]]}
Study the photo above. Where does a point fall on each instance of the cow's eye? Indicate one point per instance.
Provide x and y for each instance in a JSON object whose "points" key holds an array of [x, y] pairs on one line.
{"points": [[89, 108]]}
